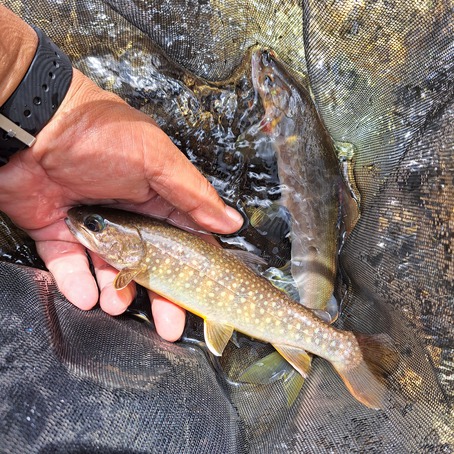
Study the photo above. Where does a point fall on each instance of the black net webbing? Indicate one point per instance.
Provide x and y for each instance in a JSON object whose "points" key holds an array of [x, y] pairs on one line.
{"points": [[380, 75]]}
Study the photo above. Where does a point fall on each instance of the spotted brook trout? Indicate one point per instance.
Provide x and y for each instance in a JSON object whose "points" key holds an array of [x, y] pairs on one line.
{"points": [[217, 285]]}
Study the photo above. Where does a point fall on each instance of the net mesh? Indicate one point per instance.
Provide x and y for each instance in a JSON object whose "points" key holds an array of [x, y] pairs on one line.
{"points": [[380, 75]]}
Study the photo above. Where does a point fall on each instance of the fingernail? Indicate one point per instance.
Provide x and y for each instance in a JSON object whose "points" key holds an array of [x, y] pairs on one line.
{"points": [[234, 215]]}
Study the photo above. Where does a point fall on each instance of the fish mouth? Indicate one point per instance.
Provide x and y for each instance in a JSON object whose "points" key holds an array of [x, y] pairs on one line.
{"points": [[72, 228], [79, 232]]}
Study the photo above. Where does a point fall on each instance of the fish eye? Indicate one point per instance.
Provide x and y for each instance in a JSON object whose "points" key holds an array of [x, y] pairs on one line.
{"points": [[94, 223], [266, 58]]}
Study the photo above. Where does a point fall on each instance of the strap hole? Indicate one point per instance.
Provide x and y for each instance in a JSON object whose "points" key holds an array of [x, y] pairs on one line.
{"points": [[52, 75], [45, 87], [27, 113], [56, 64], [37, 101]]}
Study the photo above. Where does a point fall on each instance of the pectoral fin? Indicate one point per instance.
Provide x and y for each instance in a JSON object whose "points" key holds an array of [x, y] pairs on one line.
{"points": [[297, 357], [217, 336], [125, 276]]}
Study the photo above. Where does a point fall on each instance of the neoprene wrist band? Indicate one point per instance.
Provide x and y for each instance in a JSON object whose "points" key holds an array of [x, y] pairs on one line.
{"points": [[36, 99]]}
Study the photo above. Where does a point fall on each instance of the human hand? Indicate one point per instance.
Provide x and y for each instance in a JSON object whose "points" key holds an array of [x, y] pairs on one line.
{"points": [[98, 150]]}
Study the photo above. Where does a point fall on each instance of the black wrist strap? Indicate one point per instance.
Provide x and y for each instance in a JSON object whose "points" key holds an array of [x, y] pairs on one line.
{"points": [[36, 99]]}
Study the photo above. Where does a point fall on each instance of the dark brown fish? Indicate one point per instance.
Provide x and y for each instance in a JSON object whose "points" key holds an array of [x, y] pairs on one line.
{"points": [[309, 174]]}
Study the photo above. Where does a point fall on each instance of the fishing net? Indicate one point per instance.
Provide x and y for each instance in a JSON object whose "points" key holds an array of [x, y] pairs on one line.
{"points": [[380, 76]]}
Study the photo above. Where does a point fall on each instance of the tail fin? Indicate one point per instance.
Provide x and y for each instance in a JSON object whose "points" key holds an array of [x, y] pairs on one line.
{"points": [[365, 380]]}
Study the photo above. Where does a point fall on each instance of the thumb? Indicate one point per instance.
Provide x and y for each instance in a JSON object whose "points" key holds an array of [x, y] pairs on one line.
{"points": [[178, 181]]}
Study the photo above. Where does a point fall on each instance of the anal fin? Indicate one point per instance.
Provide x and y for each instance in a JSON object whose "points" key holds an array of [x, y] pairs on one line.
{"points": [[297, 357], [217, 336]]}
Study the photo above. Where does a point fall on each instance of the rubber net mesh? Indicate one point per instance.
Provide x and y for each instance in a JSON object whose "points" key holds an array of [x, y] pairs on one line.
{"points": [[380, 73]]}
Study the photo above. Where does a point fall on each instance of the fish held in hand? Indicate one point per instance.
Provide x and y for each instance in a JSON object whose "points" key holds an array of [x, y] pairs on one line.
{"points": [[217, 285]]}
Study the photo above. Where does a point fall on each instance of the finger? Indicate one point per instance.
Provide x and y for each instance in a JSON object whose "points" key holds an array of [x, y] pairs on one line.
{"points": [[159, 208], [169, 318], [173, 176], [68, 264], [112, 301], [57, 231]]}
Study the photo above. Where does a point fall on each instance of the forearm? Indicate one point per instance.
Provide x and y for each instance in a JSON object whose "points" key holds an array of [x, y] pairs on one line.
{"points": [[18, 42]]}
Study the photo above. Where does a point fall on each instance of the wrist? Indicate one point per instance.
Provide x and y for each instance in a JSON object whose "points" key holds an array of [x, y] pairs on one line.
{"points": [[36, 99], [18, 43], [84, 107]]}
